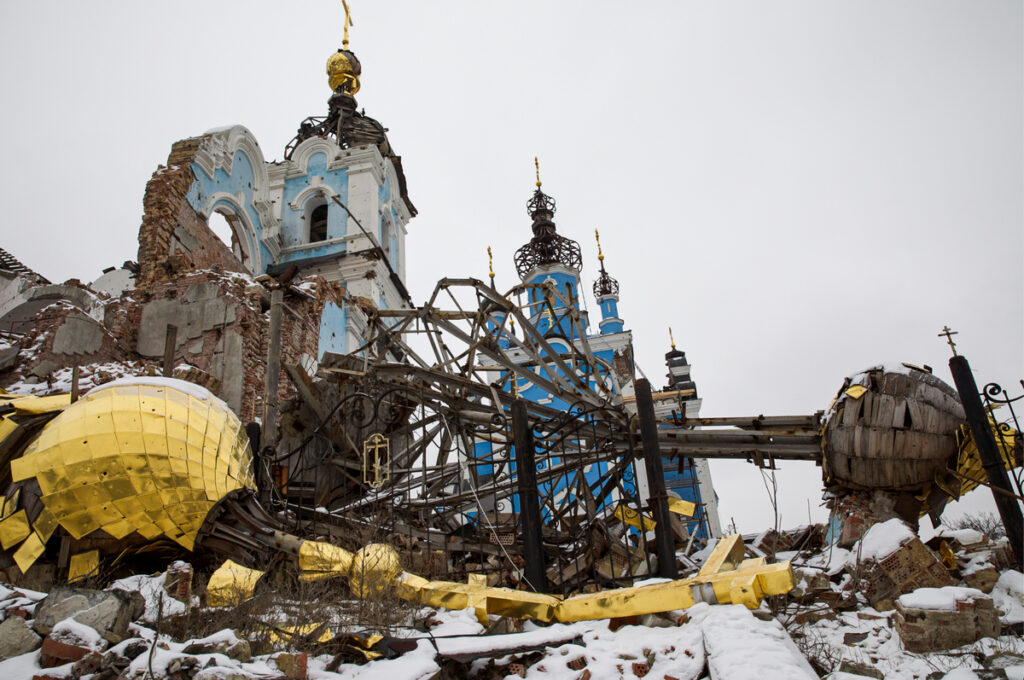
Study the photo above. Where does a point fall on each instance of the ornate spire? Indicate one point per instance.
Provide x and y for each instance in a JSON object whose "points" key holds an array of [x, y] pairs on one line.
{"points": [[605, 284], [490, 265], [546, 246], [671, 339]]}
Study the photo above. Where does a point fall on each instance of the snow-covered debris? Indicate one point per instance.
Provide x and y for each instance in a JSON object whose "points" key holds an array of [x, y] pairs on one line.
{"points": [[882, 540], [944, 599], [1008, 596], [152, 589], [71, 632], [742, 647]]}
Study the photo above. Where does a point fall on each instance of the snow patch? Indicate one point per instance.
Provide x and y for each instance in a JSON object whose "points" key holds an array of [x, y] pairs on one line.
{"points": [[882, 540], [152, 590], [943, 599], [72, 632]]}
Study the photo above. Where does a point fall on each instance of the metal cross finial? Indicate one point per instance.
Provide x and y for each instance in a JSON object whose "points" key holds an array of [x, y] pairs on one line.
{"points": [[490, 264], [348, 22], [949, 333], [536, 165], [600, 255], [670, 338]]}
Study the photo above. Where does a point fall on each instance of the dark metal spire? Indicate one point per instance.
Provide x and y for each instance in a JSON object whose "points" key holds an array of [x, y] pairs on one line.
{"points": [[546, 246]]}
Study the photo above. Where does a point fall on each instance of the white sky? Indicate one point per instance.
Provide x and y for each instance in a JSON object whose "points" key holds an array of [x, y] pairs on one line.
{"points": [[800, 189]]}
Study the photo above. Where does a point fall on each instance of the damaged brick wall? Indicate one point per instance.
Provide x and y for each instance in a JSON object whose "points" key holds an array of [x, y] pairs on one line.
{"points": [[219, 322], [173, 238], [62, 335]]}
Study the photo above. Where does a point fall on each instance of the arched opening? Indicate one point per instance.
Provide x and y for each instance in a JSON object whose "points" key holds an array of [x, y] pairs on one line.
{"points": [[227, 226], [218, 224], [318, 224]]}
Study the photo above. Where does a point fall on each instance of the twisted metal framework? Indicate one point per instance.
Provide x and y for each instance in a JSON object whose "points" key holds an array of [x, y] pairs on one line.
{"points": [[548, 249], [605, 285], [540, 202], [439, 382]]}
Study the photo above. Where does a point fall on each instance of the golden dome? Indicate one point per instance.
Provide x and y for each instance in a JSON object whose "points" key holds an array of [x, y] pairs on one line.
{"points": [[343, 71], [146, 455]]}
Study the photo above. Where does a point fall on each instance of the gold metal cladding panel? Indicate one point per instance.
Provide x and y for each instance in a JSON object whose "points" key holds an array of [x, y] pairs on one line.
{"points": [[7, 428], [45, 524], [231, 584], [120, 528], [83, 565], [14, 529], [10, 504], [80, 524], [29, 552], [324, 557]]}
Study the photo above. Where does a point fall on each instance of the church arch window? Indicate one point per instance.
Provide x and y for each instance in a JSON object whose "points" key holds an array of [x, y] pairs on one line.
{"points": [[316, 214], [228, 223]]}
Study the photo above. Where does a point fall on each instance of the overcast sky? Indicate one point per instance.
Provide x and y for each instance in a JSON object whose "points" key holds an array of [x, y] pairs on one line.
{"points": [[800, 189]]}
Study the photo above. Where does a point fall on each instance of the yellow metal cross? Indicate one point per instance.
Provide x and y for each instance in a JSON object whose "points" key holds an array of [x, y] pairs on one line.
{"points": [[348, 22], [949, 333], [376, 460]]}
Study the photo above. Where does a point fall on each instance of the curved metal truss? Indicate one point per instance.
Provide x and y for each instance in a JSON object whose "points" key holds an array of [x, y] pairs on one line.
{"points": [[411, 435]]}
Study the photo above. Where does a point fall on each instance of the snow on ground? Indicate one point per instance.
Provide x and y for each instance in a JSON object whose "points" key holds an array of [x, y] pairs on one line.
{"points": [[1008, 595], [867, 636], [741, 647], [152, 590]]}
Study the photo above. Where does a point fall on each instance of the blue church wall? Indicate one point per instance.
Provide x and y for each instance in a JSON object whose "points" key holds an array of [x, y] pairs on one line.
{"points": [[294, 231], [240, 181], [333, 335], [610, 310]]}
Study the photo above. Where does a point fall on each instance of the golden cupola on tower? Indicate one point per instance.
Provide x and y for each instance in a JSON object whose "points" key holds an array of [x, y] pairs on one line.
{"points": [[343, 71], [343, 67]]}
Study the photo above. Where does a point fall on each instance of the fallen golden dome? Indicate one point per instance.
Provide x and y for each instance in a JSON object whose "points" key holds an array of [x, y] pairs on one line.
{"points": [[145, 455]]}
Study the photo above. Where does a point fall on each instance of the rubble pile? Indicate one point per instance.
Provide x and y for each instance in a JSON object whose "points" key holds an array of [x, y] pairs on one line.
{"points": [[870, 611]]}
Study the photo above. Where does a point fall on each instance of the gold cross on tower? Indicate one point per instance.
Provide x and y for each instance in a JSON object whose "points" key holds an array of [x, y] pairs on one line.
{"points": [[946, 331], [348, 22]]}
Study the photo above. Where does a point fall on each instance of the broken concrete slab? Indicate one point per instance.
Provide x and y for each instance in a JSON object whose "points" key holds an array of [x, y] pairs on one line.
{"points": [[109, 612], [16, 638], [732, 633], [78, 335]]}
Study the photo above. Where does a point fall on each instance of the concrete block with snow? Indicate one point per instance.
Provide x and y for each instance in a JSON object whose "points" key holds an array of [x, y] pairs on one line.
{"points": [[740, 646], [937, 619]]}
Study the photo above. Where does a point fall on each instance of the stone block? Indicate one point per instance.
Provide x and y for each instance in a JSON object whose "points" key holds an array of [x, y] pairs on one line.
{"points": [[54, 653], [109, 612], [16, 638], [78, 335], [984, 579], [293, 665], [860, 669], [935, 630], [87, 665]]}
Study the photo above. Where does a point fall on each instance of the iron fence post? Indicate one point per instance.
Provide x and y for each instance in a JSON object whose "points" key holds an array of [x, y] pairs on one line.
{"points": [[529, 505], [978, 421], [658, 499]]}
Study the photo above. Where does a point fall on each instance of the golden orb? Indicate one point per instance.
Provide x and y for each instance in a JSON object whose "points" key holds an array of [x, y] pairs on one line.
{"points": [[343, 70]]}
